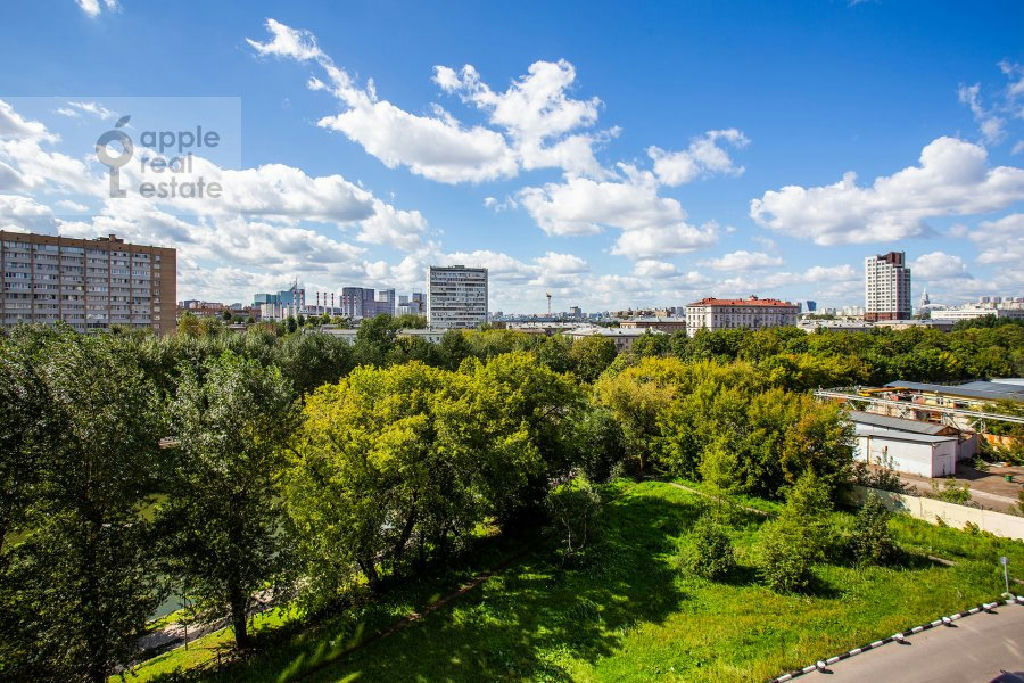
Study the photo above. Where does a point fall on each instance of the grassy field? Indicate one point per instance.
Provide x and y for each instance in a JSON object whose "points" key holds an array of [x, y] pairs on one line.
{"points": [[632, 614]]}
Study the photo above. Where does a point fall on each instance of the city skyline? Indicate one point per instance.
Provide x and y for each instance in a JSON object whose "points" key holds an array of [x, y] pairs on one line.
{"points": [[652, 178]]}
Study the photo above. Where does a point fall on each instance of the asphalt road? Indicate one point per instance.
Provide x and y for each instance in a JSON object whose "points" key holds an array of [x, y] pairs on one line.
{"points": [[976, 649]]}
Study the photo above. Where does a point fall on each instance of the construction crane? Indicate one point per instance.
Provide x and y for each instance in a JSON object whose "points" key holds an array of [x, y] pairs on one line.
{"points": [[548, 295]]}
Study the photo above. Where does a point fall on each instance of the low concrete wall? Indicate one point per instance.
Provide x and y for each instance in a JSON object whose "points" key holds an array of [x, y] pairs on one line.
{"points": [[952, 514]]}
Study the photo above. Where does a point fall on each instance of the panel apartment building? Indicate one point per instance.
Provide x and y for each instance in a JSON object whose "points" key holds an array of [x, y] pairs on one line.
{"points": [[456, 297], [886, 287], [752, 313], [91, 284]]}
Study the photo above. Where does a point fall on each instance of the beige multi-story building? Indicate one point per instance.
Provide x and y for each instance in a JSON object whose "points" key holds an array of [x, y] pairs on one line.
{"points": [[91, 284], [886, 287], [752, 313], [456, 297]]}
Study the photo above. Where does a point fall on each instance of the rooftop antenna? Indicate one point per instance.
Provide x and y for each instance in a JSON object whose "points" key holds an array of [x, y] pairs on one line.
{"points": [[548, 295]]}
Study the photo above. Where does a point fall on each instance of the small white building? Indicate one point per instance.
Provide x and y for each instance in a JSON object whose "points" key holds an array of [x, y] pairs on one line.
{"points": [[921, 454], [912, 446]]}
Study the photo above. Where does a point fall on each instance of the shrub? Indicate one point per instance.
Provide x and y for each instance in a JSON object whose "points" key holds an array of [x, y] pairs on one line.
{"points": [[787, 550], [710, 552], [796, 540], [872, 542], [574, 508], [951, 492]]}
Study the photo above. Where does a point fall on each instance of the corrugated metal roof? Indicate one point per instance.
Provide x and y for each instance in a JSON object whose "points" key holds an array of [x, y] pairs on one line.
{"points": [[991, 391], [900, 424], [879, 432]]}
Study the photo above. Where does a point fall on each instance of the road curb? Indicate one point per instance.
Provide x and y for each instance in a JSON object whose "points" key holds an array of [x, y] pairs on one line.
{"points": [[823, 664]]}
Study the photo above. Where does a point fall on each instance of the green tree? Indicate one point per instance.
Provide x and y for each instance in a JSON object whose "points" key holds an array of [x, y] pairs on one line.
{"points": [[709, 552], [453, 349], [310, 360], [375, 341], [80, 580], [574, 509], [590, 356], [872, 542], [376, 466], [792, 543], [227, 529]]}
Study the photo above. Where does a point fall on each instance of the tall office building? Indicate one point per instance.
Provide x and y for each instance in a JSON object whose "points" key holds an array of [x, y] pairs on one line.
{"points": [[386, 303], [358, 303], [887, 287], [91, 284], [456, 296]]}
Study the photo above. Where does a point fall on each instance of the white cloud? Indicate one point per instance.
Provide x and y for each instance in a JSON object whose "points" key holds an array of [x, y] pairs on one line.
{"points": [[14, 125], [536, 113], [92, 7], [702, 158], [561, 264], [75, 109], [22, 214], [1006, 104], [952, 178], [745, 260], [287, 42], [72, 206], [653, 269], [939, 266], [668, 240], [436, 147], [992, 125], [1001, 241]]}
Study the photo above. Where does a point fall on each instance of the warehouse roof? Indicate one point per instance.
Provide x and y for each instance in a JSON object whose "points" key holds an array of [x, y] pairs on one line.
{"points": [[991, 391], [881, 433], [899, 424]]}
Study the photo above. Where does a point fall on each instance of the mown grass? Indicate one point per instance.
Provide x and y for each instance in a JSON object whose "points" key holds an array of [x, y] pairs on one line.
{"points": [[631, 614]]}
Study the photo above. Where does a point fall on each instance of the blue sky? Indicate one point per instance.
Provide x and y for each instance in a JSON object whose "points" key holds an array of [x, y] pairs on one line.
{"points": [[613, 155]]}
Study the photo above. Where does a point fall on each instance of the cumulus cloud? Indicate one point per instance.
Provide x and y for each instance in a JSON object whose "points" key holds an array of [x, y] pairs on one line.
{"points": [[22, 214], [654, 269], [436, 147], [273, 221], [939, 266], [705, 156], [952, 178], [1001, 241], [581, 206], [745, 260], [536, 113], [92, 7]]}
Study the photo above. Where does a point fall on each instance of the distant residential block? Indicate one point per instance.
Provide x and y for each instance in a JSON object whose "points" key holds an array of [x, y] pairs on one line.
{"points": [[456, 297], [91, 284], [752, 313]]}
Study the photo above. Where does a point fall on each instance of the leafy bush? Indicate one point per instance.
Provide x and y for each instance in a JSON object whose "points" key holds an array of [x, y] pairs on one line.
{"points": [[787, 550], [710, 552], [872, 542], [796, 540], [951, 492], [574, 508]]}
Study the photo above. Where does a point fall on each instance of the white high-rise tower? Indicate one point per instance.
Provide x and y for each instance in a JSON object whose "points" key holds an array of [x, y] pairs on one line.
{"points": [[887, 287]]}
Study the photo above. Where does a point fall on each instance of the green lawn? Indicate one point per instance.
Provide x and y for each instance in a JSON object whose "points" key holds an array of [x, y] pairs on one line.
{"points": [[630, 614]]}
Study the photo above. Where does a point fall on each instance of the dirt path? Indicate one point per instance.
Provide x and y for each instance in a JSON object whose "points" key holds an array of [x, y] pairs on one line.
{"points": [[689, 489]]}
